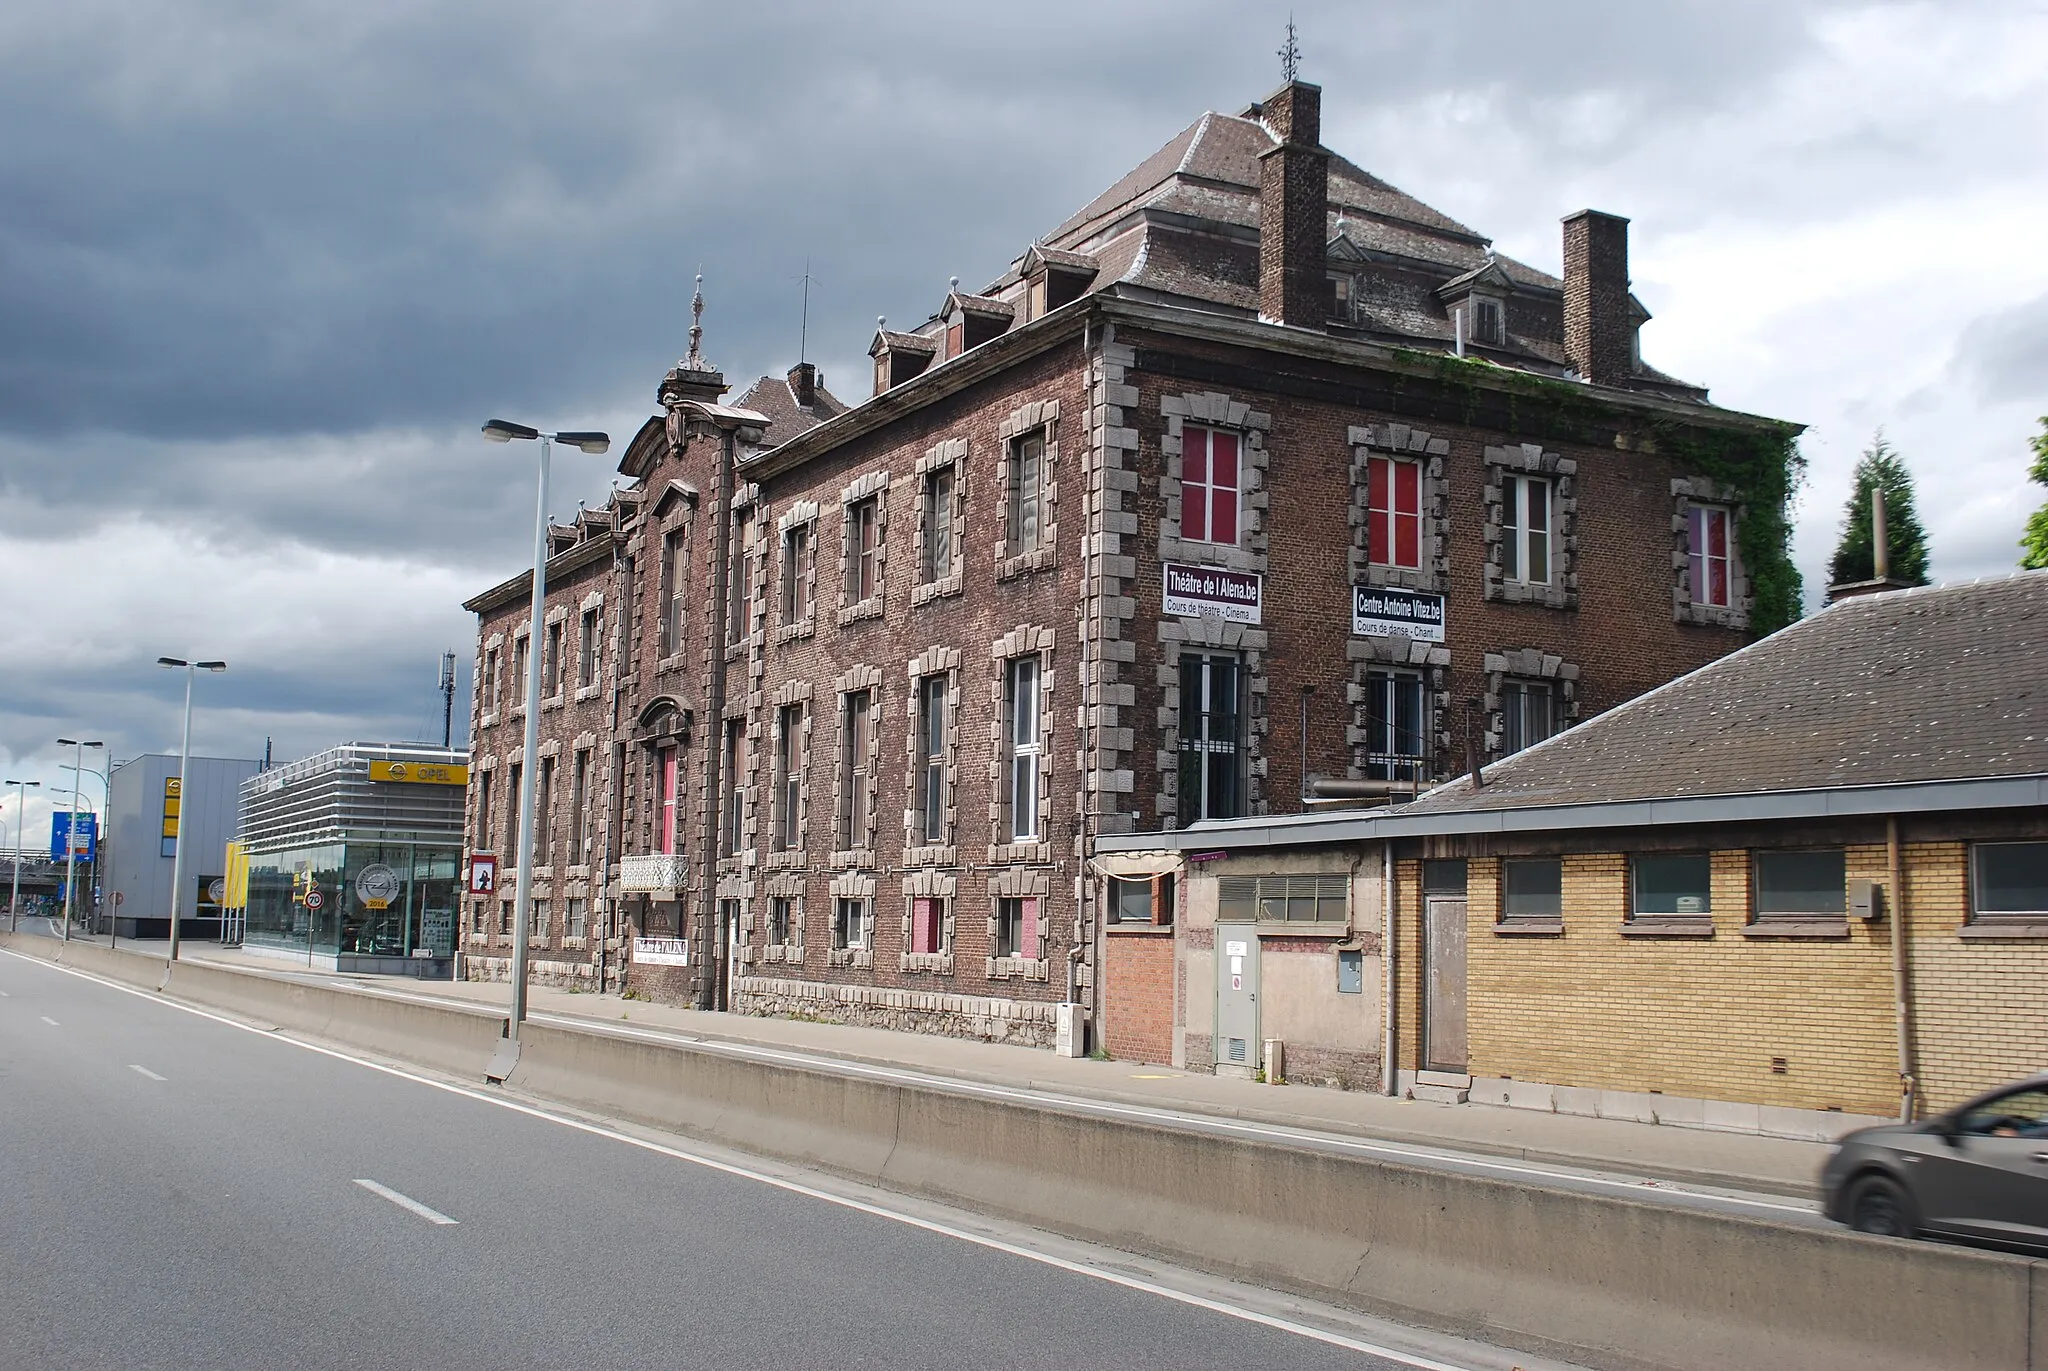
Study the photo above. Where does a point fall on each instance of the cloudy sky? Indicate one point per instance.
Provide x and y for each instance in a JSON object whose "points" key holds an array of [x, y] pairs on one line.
{"points": [[264, 269]]}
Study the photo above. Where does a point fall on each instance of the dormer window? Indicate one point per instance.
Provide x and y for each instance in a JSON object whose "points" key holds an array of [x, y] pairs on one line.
{"points": [[1489, 321], [1343, 296]]}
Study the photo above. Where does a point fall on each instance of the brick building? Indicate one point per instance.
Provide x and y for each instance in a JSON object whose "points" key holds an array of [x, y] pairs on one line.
{"points": [[1254, 485], [1802, 887]]}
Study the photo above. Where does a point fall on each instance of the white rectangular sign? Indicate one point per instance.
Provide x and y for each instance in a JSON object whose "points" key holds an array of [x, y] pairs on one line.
{"points": [[1208, 592], [1383, 612], [661, 952]]}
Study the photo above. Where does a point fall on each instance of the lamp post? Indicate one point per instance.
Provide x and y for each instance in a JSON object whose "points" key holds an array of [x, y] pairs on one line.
{"points": [[500, 431], [184, 764], [106, 780], [20, 812], [71, 833]]}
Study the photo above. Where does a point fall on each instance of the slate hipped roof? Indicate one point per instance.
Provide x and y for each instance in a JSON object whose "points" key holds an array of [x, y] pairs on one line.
{"points": [[1935, 684]]}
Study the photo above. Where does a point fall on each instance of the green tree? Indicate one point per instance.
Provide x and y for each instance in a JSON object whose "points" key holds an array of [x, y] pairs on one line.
{"points": [[1906, 541], [2034, 541]]}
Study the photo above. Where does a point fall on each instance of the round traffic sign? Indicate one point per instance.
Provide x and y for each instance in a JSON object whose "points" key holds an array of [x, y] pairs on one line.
{"points": [[314, 899]]}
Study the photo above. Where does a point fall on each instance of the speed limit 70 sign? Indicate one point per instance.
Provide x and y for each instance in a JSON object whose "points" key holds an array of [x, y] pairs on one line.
{"points": [[314, 899]]}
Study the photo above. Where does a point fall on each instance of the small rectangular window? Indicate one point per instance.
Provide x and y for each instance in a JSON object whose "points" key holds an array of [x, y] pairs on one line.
{"points": [[1525, 529], [1209, 485], [2009, 881], [1017, 928], [1284, 899], [551, 663], [782, 921], [735, 790], [1350, 971], [863, 525], [849, 924], [1801, 885], [1027, 493], [537, 924], [579, 916], [789, 764], [1394, 512], [515, 801], [1532, 889], [1141, 900], [544, 816], [739, 585], [493, 692], [522, 660], [1671, 887], [1486, 321], [1708, 554], [1528, 715], [579, 806], [855, 769]]}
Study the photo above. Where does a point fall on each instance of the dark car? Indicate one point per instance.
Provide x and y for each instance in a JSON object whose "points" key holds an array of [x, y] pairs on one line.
{"points": [[1978, 1173]]}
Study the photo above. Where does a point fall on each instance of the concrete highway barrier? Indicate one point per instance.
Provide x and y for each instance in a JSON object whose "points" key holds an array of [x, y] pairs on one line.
{"points": [[1610, 1282]]}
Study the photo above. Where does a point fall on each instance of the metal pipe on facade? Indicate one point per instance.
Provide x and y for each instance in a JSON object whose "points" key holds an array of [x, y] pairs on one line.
{"points": [[1387, 1035], [1909, 1088]]}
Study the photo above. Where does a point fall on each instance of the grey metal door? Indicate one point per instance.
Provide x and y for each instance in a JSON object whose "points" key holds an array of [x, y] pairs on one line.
{"points": [[1443, 992], [1237, 999]]}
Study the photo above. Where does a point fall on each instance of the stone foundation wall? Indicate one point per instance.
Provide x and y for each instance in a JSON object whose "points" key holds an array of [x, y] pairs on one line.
{"points": [[1023, 1023], [565, 975]]}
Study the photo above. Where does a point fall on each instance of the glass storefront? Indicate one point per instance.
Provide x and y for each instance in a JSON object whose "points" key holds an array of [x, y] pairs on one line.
{"points": [[383, 898]]}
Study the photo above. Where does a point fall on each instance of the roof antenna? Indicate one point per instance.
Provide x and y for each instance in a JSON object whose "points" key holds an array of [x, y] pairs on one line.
{"points": [[803, 337], [695, 361], [1290, 53]]}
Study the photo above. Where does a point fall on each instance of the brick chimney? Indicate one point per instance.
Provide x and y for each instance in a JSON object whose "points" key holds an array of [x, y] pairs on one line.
{"points": [[803, 383], [1294, 198], [1599, 333]]}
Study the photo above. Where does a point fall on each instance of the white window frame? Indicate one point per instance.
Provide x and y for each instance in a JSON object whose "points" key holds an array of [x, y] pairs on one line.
{"points": [[1024, 520], [1022, 743], [1203, 437], [1700, 562], [1523, 543], [933, 731], [1514, 717]]}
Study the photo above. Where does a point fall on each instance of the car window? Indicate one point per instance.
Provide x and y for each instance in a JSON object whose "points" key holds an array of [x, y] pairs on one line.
{"points": [[2022, 1114]]}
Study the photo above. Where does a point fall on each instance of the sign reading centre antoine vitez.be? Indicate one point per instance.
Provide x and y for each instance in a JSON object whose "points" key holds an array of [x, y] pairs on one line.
{"points": [[1382, 612], [1207, 592]]}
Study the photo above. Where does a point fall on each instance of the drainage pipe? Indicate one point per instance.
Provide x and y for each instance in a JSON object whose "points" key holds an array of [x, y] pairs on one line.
{"points": [[1909, 1088]]}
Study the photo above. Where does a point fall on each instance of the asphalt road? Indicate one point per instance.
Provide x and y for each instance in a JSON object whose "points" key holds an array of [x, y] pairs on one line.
{"points": [[177, 1191]]}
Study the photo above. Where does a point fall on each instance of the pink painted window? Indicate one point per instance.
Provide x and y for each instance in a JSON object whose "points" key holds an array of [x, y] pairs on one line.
{"points": [[1027, 933], [665, 832], [927, 918], [1209, 493], [1394, 512], [1707, 540]]}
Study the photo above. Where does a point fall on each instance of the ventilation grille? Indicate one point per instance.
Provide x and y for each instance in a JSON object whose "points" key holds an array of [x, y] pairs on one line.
{"points": [[1235, 1046]]}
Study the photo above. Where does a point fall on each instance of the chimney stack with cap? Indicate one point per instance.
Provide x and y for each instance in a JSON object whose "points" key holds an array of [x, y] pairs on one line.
{"points": [[1598, 341], [1294, 198], [803, 383]]}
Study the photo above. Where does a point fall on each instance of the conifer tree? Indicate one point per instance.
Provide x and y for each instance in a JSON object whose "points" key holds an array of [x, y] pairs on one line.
{"points": [[1905, 541]]}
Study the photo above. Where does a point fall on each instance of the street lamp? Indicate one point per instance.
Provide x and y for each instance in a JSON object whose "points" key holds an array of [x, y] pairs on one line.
{"points": [[184, 764], [20, 812], [71, 833], [99, 848], [500, 431]]}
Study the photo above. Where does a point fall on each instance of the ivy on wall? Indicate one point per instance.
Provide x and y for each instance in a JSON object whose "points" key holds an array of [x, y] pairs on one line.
{"points": [[1759, 462]]}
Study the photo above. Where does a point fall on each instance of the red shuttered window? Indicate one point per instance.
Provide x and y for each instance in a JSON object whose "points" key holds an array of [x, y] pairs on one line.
{"points": [[927, 925], [1209, 493], [1394, 512], [1707, 538]]}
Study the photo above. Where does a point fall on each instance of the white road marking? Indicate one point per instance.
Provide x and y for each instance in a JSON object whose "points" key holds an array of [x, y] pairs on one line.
{"points": [[406, 1201], [143, 1070], [50, 1021], [1255, 1316]]}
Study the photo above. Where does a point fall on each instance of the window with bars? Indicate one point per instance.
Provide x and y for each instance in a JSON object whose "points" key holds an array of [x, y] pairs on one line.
{"points": [[1525, 529], [931, 758], [1528, 715], [1017, 927], [1708, 554], [789, 763], [850, 925], [1209, 485], [1020, 705], [782, 920], [856, 767], [1394, 512], [1027, 493], [796, 574], [1211, 736], [935, 557], [1396, 726], [1315, 899], [863, 530], [928, 924]]}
